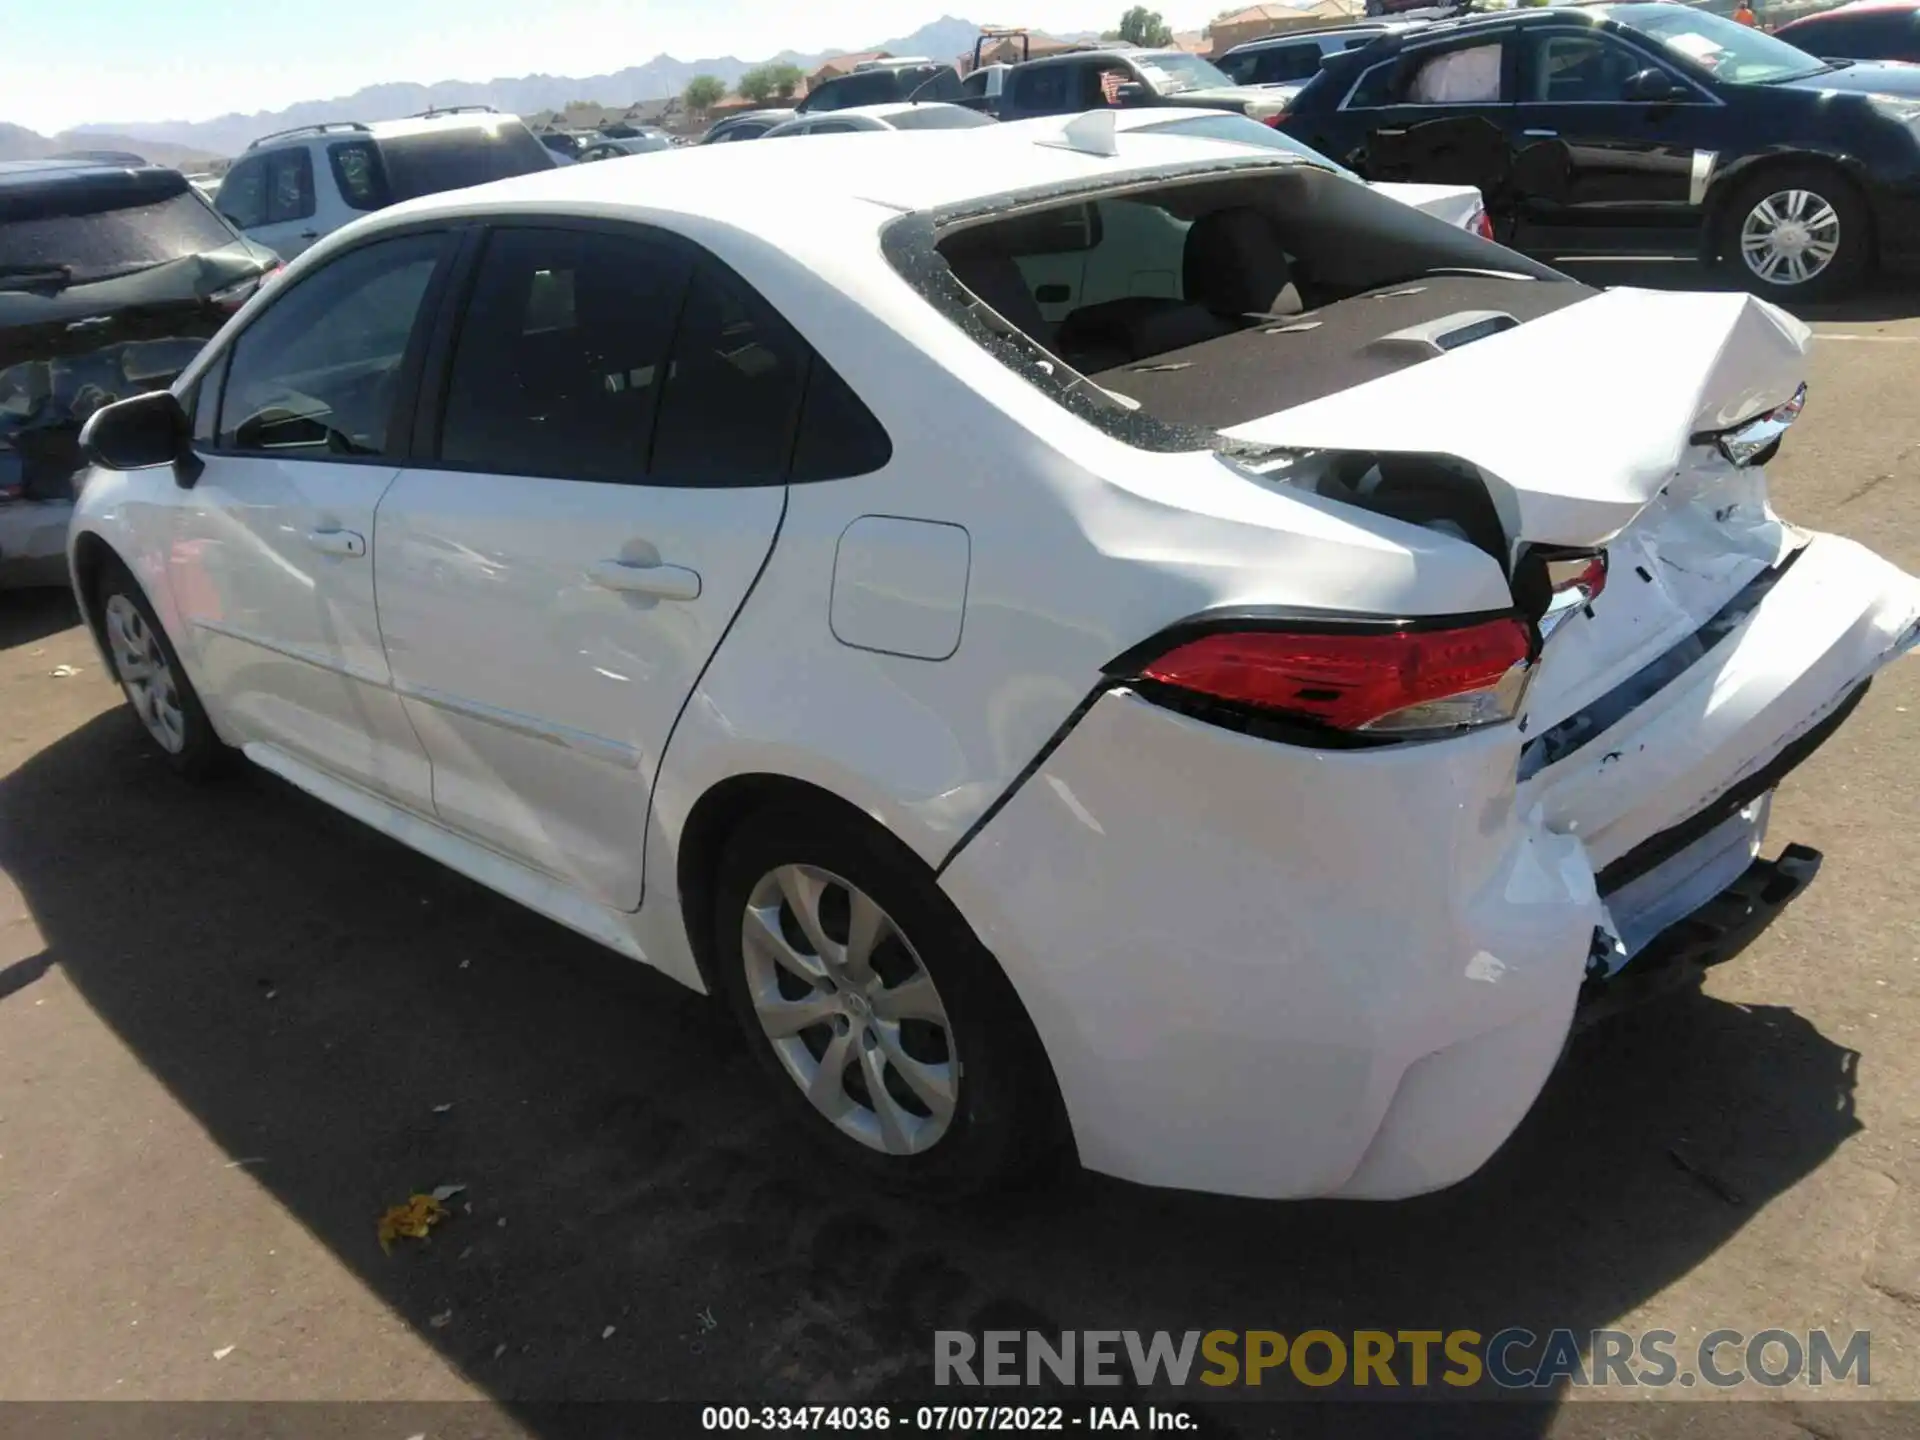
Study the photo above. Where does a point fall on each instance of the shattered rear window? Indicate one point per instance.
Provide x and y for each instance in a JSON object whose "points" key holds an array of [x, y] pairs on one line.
{"points": [[1214, 294]]}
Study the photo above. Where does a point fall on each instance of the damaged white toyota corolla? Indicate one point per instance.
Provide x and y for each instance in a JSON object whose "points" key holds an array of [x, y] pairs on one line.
{"points": [[1121, 638]]}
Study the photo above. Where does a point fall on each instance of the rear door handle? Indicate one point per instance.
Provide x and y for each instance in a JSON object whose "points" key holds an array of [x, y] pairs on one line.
{"points": [[337, 542], [1541, 134], [309, 234], [664, 582]]}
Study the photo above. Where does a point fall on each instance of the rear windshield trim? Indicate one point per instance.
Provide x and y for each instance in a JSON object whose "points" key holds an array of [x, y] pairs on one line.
{"points": [[911, 246]]}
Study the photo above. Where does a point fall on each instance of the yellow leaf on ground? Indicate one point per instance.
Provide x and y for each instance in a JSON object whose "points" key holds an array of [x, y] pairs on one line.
{"points": [[411, 1221]]}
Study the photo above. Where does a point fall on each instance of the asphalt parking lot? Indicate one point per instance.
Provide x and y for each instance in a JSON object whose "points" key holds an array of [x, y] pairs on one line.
{"points": [[234, 1028]]}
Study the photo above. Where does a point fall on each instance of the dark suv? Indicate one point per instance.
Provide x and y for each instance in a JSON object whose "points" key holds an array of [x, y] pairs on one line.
{"points": [[884, 83], [1640, 129], [111, 277]]}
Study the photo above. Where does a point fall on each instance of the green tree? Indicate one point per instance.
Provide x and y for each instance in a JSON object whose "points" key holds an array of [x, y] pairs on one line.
{"points": [[786, 79], [703, 92], [1141, 26], [757, 84]]}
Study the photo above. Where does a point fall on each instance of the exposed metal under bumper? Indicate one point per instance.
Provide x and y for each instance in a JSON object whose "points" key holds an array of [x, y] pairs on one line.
{"points": [[1715, 933]]}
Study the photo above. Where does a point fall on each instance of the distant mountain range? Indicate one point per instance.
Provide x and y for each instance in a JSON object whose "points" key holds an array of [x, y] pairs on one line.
{"points": [[658, 78], [19, 143]]}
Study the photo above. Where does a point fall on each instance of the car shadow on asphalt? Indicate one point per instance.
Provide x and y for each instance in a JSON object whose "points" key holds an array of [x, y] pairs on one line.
{"points": [[369, 1025], [27, 616]]}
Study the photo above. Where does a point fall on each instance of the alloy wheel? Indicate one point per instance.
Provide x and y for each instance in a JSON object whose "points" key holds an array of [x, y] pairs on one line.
{"points": [[1790, 237], [145, 674], [850, 1010]]}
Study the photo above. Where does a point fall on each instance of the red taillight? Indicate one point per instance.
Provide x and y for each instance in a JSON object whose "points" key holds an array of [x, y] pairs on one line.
{"points": [[1483, 224], [1395, 682], [1274, 119]]}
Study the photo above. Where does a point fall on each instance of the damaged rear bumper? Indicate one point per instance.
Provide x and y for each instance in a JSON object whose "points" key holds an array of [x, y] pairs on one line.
{"points": [[1268, 970]]}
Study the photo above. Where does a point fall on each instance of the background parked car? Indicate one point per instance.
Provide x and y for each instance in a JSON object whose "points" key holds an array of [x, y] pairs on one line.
{"points": [[749, 125], [882, 82], [909, 116], [1293, 58], [111, 276], [1640, 129], [606, 147], [292, 187], [1078, 80], [1864, 30], [565, 143]]}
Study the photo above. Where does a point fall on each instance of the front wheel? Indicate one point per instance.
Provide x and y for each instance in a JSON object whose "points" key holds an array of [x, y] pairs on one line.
{"points": [[887, 1031], [149, 672], [1796, 234]]}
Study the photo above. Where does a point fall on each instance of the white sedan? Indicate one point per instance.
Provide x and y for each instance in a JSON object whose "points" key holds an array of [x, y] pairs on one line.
{"points": [[1231, 727]]}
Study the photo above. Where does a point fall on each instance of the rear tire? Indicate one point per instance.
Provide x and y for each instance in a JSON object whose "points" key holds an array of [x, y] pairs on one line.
{"points": [[888, 1032], [153, 679], [1796, 233]]}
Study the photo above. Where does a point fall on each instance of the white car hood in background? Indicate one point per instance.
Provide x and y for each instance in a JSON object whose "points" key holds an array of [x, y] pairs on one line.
{"points": [[1455, 204], [1580, 417]]}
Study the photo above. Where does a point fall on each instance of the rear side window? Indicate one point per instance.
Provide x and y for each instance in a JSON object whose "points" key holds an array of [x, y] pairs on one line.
{"points": [[1274, 66], [317, 374], [733, 388], [108, 223], [455, 156], [356, 171], [1043, 90], [561, 359], [1462, 75], [839, 436]]}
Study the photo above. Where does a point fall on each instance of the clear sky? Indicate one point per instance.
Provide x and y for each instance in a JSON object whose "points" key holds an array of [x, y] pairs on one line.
{"points": [[70, 62]]}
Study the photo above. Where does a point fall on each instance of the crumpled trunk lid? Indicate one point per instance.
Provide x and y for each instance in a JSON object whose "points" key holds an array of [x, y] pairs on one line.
{"points": [[1725, 644], [1576, 419]]}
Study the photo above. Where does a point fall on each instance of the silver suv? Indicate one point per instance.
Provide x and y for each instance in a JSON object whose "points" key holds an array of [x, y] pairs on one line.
{"points": [[294, 186]]}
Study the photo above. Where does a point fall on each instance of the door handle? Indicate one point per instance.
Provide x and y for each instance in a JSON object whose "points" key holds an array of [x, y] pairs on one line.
{"points": [[1541, 134], [309, 234], [337, 542], [664, 582]]}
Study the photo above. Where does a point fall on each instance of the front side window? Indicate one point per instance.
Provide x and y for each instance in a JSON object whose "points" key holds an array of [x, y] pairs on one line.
{"points": [[1579, 70], [561, 359], [289, 186], [317, 374], [242, 196]]}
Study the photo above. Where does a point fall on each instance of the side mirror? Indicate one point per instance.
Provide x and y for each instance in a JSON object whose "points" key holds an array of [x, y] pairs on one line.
{"points": [[1648, 87], [140, 433], [1133, 93]]}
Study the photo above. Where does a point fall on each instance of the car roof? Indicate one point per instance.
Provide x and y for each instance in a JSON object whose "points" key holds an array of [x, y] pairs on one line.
{"points": [[448, 120], [21, 174], [807, 199], [1358, 27]]}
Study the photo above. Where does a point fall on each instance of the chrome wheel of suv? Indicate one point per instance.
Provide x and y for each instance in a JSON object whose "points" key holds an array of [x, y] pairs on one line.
{"points": [[1790, 237]]}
